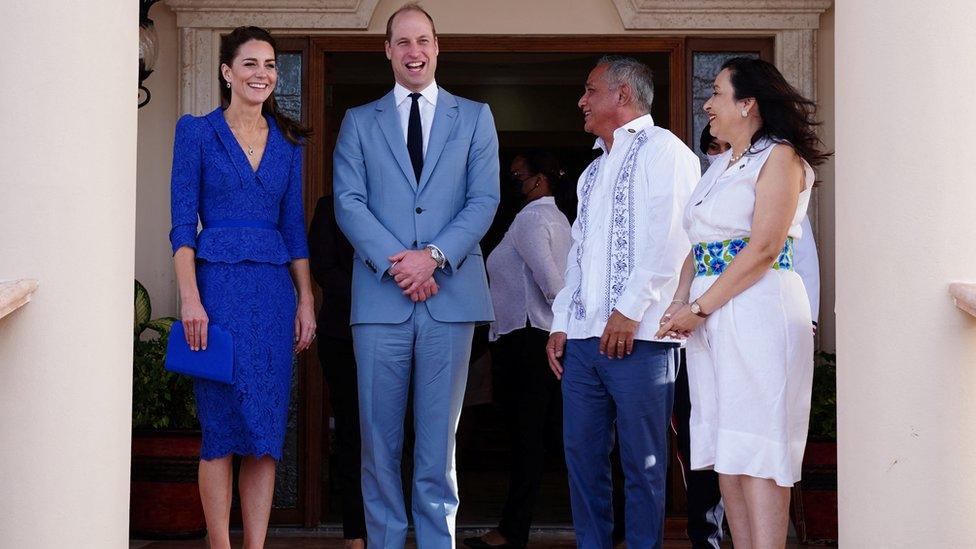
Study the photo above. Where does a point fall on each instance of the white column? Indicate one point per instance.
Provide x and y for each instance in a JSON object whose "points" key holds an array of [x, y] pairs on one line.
{"points": [[67, 203], [905, 195]]}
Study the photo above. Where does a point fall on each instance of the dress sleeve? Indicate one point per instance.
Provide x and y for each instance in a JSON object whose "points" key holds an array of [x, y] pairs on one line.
{"points": [[291, 220], [185, 184]]}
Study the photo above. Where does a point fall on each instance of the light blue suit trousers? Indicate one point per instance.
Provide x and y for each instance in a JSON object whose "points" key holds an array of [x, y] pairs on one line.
{"points": [[432, 358]]}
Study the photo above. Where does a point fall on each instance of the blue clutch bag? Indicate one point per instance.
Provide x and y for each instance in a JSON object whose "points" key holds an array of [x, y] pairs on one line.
{"points": [[215, 364]]}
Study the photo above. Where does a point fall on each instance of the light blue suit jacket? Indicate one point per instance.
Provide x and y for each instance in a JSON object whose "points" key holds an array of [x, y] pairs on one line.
{"points": [[382, 209]]}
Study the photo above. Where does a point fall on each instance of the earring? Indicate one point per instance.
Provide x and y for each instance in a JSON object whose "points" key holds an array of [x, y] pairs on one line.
{"points": [[744, 112]]}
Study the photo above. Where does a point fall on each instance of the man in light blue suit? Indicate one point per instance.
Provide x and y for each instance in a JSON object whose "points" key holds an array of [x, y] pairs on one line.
{"points": [[416, 187]]}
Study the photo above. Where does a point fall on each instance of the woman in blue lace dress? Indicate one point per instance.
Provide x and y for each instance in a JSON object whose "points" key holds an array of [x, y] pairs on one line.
{"points": [[239, 171]]}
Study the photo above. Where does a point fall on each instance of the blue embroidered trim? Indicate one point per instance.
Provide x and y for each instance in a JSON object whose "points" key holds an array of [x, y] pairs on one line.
{"points": [[621, 238], [712, 258], [579, 310]]}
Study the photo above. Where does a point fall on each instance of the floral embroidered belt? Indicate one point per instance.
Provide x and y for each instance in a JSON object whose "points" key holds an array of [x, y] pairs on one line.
{"points": [[712, 258]]}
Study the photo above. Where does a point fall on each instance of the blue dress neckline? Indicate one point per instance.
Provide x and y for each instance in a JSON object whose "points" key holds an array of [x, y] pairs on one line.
{"points": [[236, 153]]}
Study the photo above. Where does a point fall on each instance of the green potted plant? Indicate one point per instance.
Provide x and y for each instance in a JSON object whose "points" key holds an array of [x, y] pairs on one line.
{"points": [[165, 497], [815, 498]]}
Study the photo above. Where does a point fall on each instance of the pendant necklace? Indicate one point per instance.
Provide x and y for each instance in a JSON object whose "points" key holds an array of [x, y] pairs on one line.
{"points": [[250, 149]]}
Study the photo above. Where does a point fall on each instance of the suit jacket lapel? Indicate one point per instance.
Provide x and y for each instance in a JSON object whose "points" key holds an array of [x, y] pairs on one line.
{"points": [[445, 114], [234, 151], [389, 121]]}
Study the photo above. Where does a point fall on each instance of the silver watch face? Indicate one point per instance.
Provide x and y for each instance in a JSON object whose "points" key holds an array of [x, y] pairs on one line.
{"points": [[695, 308]]}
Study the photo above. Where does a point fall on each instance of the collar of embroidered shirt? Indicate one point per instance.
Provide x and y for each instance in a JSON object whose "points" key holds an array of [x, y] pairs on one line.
{"points": [[401, 93], [625, 132]]}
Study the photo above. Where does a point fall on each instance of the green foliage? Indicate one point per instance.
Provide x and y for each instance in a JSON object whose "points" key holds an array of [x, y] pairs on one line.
{"points": [[823, 405], [160, 399]]}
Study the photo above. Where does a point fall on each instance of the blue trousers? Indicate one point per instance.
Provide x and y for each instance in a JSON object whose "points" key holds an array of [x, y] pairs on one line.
{"points": [[432, 358], [636, 393]]}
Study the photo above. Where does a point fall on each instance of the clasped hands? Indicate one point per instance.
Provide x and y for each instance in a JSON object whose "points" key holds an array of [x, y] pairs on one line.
{"points": [[678, 321], [413, 271]]}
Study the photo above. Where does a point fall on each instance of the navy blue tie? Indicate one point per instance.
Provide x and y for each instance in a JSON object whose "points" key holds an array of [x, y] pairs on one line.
{"points": [[415, 137]]}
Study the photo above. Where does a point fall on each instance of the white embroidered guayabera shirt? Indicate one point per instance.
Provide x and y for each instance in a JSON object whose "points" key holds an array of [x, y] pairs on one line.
{"points": [[628, 241]]}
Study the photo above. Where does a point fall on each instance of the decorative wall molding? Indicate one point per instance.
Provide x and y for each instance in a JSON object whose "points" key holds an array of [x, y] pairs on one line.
{"points": [[274, 14], [698, 15], [15, 294], [793, 23]]}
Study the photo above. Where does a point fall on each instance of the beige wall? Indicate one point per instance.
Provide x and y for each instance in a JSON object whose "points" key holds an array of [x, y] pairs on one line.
{"points": [[904, 213], [157, 121], [512, 16], [67, 199]]}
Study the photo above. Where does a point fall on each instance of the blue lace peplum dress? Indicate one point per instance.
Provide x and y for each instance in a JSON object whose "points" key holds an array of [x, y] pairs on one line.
{"points": [[253, 227]]}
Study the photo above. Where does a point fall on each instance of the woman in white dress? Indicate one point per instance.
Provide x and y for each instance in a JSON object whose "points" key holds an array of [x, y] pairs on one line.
{"points": [[750, 343]]}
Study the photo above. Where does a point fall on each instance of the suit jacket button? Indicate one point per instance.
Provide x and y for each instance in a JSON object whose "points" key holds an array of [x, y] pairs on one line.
{"points": [[419, 210]]}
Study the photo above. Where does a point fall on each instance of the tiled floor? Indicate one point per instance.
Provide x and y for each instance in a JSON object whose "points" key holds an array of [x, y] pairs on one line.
{"points": [[299, 539]]}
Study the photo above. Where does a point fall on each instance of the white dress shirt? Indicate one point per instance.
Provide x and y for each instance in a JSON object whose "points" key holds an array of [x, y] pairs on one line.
{"points": [[427, 103], [628, 241], [525, 270]]}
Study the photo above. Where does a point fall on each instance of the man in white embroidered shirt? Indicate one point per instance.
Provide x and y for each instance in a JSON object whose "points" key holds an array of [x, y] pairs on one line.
{"points": [[628, 246]]}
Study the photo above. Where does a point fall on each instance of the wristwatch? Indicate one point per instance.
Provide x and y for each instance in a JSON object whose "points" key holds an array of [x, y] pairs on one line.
{"points": [[437, 256], [697, 310]]}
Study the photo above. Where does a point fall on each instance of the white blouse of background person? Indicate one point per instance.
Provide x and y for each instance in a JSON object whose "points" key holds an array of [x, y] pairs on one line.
{"points": [[806, 262], [525, 270]]}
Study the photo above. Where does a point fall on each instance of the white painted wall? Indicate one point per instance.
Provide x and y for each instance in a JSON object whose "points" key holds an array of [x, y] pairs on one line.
{"points": [[67, 199], [905, 226]]}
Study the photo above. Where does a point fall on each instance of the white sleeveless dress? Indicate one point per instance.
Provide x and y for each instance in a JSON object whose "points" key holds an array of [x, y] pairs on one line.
{"points": [[750, 364]]}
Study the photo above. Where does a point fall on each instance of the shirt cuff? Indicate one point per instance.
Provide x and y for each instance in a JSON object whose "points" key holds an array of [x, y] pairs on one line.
{"points": [[632, 309], [559, 324]]}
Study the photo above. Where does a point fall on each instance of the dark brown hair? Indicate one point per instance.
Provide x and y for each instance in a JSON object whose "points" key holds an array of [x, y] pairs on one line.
{"points": [[786, 115], [410, 6], [229, 46]]}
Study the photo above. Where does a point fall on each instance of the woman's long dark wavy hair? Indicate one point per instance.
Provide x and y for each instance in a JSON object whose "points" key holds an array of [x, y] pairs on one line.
{"points": [[786, 115], [229, 46]]}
